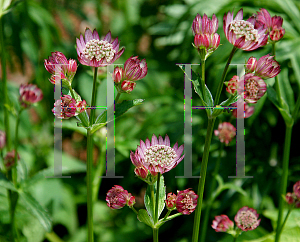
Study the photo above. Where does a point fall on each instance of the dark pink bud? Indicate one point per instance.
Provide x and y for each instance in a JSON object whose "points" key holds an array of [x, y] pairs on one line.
{"points": [[232, 85], [69, 107], [222, 224], [171, 201], [9, 159], [128, 86], [130, 200], [117, 197], [247, 219], [2, 139], [135, 69], [141, 172], [30, 94], [277, 33], [72, 67], [267, 67], [290, 198], [251, 65], [118, 74], [296, 189], [186, 201]]}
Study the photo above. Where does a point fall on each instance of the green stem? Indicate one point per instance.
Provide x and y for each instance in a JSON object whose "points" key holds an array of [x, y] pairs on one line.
{"points": [[155, 234], [219, 90], [171, 217], [277, 87], [134, 210], [4, 88], [157, 199], [284, 178], [90, 147], [235, 238], [209, 195], [167, 215], [53, 237], [286, 218], [117, 97], [200, 192], [296, 108], [203, 77]]}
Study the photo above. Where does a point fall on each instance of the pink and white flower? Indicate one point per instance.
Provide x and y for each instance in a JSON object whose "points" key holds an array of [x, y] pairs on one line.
{"points": [[245, 35], [186, 201], [232, 85], [29, 94], [92, 51], [225, 132], [247, 219], [157, 155], [222, 223], [135, 69], [171, 201], [117, 197], [69, 107]]}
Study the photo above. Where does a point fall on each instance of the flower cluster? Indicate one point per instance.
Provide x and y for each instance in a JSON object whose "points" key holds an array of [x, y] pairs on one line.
{"points": [[293, 199], [246, 219], [134, 70], [29, 94], [225, 132], [206, 40], [117, 198]]}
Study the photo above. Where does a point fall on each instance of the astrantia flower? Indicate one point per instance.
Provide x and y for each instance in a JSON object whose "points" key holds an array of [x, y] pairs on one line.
{"points": [[135, 69], [157, 155], [245, 35], [10, 158], [29, 94], [117, 197], [92, 51], [225, 132], [254, 88], [296, 189], [206, 40], [69, 107], [59, 65], [248, 111], [247, 219], [232, 85], [222, 223], [171, 201], [266, 67], [273, 25], [186, 201], [128, 86], [2, 139]]}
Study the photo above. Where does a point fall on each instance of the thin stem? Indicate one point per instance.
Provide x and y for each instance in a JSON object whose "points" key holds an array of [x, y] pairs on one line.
{"points": [[167, 215], [203, 76], [277, 87], [200, 192], [155, 234], [171, 217], [224, 75], [53, 237], [117, 97], [284, 177], [296, 108], [134, 210], [90, 147], [235, 238], [157, 199], [286, 218], [209, 195]]}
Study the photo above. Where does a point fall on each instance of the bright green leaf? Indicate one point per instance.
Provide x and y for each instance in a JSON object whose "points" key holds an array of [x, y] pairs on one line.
{"points": [[144, 217]]}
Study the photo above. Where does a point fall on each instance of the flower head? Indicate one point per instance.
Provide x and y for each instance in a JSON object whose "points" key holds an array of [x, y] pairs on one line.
{"points": [[10, 158], [2, 139], [30, 94], [290, 198], [222, 223], [296, 189], [273, 25], [128, 86], [118, 74], [58, 65], [69, 107], [95, 52], [157, 155], [248, 111], [254, 88], [117, 197], [171, 201], [266, 67], [186, 201], [232, 85], [245, 35], [247, 219], [225, 132], [135, 69], [206, 40]]}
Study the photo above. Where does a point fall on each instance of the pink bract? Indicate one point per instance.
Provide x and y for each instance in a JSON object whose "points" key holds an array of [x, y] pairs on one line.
{"points": [[92, 51], [245, 35], [30, 94], [222, 223], [186, 201], [157, 155], [247, 219]]}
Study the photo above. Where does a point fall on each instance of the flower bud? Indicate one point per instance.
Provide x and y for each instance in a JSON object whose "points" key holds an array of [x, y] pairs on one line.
{"points": [[117, 197], [118, 74], [222, 224], [296, 189], [72, 67], [290, 198], [130, 200], [69, 107], [186, 201], [232, 85], [128, 86], [277, 33], [171, 201], [141, 172], [135, 69], [29, 94], [9, 159], [251, 65]]}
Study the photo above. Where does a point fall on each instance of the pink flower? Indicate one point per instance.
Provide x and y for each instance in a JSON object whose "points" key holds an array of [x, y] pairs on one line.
{"points": [[206, 40], [290, 198], [66, 67], [273, 25], [2, 139], [69, 107], [141, 172], [118, 74], [254, 88], [247, 219], [245, 35], [226, 132], [248, 111], [186, 201], [117, 197], [29, 94], [128, 86], [266, 67], [171, 201], [95, 52], [232, 85], [296, 189], [157, 155], [135, 69], [9, 159], [222, 224], [130, 200]]}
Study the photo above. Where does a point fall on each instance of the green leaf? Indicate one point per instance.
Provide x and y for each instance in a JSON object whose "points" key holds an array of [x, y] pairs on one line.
{"points": [[38, 177], [144, 217], [287, 91], [4, 182], [37, 210]]}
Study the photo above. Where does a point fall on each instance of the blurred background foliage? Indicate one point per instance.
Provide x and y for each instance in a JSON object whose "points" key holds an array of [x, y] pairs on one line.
{"points": [[159, 31]]}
